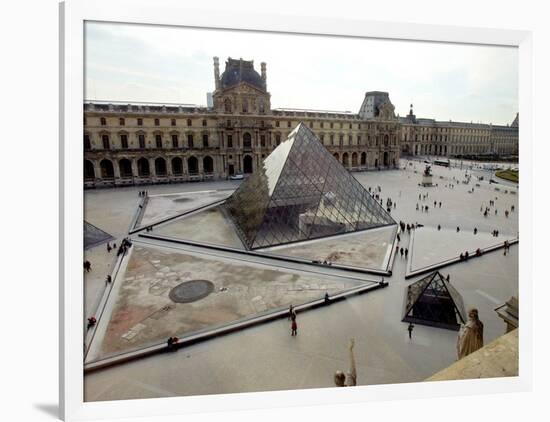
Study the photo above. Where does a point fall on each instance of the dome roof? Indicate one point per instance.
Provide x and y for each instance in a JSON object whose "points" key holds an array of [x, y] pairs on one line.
{"points": [[237, 71]]}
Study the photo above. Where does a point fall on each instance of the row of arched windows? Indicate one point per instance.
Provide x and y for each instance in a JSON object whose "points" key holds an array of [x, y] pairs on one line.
{"points": [[107, 171], [354, 159]]}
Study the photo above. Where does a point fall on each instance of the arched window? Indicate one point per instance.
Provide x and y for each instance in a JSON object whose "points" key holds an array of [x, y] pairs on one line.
{"points": [[247, 140], [345, 159], [208, 165], [143, 167], [125, 167], [124, 141], [193, 165], [89, 172], [175, 142], [107, 170], [87, 143], [354, 159], [363, 158], [247, 164], [245, 105], [160, 167], [177, 166], [105, 141], [336, 156]]}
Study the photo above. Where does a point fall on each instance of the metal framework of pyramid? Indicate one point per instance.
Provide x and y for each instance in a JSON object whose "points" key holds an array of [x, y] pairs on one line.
{"points": [[301, 192], [434, 301]]}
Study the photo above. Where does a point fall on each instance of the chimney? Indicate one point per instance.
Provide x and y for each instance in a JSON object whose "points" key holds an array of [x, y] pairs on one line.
{"points": [[264, 74], [217, 73]]}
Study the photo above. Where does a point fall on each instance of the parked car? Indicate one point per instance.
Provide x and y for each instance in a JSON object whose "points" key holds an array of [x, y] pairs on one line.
{"points": [[237, 176]]}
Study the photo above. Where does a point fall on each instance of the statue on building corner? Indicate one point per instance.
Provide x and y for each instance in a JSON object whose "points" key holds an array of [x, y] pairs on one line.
{"points": [[470, 336]]}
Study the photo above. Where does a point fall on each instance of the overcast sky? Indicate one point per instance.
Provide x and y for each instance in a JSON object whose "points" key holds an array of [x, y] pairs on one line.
{"points": [[174, 65]]}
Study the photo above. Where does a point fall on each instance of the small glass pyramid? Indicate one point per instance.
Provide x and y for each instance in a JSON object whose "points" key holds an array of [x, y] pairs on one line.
{"points": [[301, 192]]}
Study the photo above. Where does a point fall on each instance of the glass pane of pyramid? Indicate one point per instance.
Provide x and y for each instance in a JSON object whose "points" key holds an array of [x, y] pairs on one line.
{"points": [[301, 192]]}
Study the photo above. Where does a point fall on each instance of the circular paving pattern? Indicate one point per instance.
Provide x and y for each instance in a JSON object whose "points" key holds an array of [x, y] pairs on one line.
{"points": [[191, 291]]}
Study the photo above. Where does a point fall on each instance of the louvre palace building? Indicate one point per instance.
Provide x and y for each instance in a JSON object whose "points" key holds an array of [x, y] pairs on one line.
{"points": [[139, 143]]}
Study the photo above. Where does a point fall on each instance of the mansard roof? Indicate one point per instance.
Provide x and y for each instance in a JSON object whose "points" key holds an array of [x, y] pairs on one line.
{"points": [[237, 71]]}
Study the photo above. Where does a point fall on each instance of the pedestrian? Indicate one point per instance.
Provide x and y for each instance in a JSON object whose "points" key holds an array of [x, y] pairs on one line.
{"points": [[294, 328], [439, 227], [475, 230], [448, 278], [108, 247], [439, 204], [290, 311], [398, 238], [457, 229], [108, 279], [87, 266], [410, 330], [327, 299], [402, 251], [114, 245], [406, 252]]}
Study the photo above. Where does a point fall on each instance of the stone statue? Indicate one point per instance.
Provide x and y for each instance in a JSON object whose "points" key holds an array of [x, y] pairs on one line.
{"points": [[470, 336], [349, 380]]}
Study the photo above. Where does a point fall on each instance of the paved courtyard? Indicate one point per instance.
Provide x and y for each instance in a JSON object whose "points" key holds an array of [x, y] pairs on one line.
{"points": [[144, 313], [266, 357]]}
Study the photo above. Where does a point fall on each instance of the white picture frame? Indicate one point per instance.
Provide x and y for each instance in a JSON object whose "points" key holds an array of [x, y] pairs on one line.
{"points": [[73, 14]]}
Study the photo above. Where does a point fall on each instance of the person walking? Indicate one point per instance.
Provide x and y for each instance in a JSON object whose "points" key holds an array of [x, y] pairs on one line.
{"points": [[290, 311], [402, 251], [410, 330], [406, 252], [294, 328]]}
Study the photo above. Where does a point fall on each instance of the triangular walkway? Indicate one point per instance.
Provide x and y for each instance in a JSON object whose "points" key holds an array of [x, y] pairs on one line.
{"points": [[301, 192], [434, 301]]}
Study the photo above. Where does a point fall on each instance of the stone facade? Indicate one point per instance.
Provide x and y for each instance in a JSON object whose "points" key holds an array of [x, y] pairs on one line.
{"points": [[129, 144], [457, 139]]}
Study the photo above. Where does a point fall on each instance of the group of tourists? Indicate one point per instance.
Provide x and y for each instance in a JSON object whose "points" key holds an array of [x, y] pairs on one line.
{"points": [[171, 343], [125, 245], [91, 322], [143, 193], [109, 247]]}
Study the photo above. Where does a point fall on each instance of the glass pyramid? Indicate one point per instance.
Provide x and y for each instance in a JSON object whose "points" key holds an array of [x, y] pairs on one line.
{"points": [[301, 192], [434, 301]]}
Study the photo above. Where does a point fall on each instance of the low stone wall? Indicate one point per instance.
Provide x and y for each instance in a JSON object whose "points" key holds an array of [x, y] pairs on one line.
{"points": [[500, 358]]}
